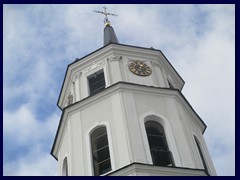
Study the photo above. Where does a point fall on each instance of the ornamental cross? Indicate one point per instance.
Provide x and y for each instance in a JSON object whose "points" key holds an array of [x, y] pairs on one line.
{"points": [[106, 21]]}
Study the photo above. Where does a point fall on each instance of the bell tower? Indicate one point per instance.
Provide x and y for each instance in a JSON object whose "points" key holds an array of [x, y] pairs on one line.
{"points": [[123, 113]]}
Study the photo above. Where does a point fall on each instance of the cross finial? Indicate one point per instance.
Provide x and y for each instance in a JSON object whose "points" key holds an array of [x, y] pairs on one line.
{"points": [[105, 8], [106, 21]]}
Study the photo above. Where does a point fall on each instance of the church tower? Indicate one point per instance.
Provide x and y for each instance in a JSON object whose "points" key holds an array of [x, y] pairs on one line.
{"points": [[123, 113]]}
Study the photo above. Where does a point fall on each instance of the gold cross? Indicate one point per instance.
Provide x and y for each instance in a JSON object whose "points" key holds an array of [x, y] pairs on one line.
{"points": [[106, 21]]}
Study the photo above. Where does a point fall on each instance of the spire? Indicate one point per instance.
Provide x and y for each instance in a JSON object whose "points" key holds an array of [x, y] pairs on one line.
{"points": [[109, 33]]}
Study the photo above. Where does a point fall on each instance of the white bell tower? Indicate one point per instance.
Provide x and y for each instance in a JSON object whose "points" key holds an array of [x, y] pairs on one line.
{"points": [[123, 113]]}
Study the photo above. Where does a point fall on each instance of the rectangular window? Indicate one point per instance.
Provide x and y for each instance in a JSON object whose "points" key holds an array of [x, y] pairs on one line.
{"points": [[96, 82]]}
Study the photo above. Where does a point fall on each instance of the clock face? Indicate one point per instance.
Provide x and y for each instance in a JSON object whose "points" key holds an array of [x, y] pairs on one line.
{"points": [[140, 68]]}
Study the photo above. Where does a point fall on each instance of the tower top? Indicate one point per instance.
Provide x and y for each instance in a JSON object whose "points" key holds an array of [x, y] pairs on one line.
{"points": [[109, 34], [106, 21]]}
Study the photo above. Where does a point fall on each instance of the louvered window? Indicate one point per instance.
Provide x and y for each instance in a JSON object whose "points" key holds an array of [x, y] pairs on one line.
{"points": [[96, 82], [161, 156], [100, 151]]}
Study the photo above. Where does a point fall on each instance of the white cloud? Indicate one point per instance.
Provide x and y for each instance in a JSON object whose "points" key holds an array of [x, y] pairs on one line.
{"points": [[28, 127], [208, 70], [35, 136], [35, 163]]}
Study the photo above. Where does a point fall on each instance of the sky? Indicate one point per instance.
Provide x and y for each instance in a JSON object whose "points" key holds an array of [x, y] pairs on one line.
{"points": [[39, 41]]}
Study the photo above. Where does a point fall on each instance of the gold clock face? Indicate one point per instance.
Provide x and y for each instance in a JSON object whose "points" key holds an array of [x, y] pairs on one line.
{"points": [[140, 68]]}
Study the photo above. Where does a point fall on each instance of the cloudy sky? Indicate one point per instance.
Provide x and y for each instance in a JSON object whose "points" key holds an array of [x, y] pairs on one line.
{"points": [[39, 41]]}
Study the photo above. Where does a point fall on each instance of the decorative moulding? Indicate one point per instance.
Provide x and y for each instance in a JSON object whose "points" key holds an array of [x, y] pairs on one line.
{"points": [[155, 64], [114, 58], [130, 60], [94, 66]]}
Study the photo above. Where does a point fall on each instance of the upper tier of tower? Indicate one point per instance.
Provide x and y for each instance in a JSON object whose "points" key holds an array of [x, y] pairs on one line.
{"points": [[109, 65]]}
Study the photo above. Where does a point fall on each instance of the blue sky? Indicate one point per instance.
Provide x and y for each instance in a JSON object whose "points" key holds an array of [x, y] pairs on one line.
{"points": [[39, 41]]}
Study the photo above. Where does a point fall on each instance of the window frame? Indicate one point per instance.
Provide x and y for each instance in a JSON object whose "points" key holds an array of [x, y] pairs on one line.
{"points": [[162, 149], [96, 91], [201, 153], [65, 166], [89, 147]]}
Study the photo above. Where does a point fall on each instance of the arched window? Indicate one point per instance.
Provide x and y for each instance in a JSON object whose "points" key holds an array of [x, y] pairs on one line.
{"points": [[161, 156], [65, 167], [100, 151], [201, 153]]}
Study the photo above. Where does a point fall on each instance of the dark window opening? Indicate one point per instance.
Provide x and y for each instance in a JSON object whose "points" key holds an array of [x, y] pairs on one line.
{"points": [[65, 167], [96, 82], [170, 85], [161, 156], [100, 151], [201, 154]]}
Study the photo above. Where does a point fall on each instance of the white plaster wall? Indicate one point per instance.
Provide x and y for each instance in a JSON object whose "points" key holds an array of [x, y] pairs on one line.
{"points": [[191, 129], [139, 105], [104, 112], [76, 145], [123, 113], [146, 170], [179, 130], [63, 150]]}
